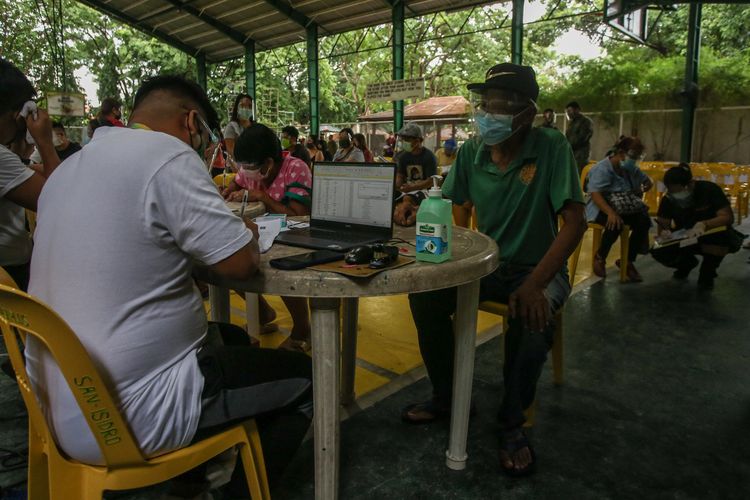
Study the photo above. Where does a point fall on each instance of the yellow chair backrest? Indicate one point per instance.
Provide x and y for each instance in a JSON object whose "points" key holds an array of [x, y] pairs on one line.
{"points": [[21, 314], [585, 173], [223, 180], [6, 279]]}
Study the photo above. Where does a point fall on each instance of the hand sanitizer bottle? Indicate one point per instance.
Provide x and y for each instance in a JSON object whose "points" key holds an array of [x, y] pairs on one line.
{"points": [[434, 226]]}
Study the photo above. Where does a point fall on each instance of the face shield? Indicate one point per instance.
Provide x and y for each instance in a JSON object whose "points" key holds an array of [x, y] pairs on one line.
{"points": [[495, 115]]}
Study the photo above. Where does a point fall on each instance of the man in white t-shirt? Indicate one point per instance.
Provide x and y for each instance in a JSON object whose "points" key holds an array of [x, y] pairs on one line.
{"points": [[119, 230], [19, 185]]}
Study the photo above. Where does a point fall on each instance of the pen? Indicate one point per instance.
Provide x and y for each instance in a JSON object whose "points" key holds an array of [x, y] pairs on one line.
{"points": [[244, 204]]}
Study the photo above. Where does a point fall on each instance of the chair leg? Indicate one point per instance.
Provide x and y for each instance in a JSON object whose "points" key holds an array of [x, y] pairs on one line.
{"points": [[254, 464], [557, 350], [624, 249], [38, 472], [596, 242], [530, 414]]}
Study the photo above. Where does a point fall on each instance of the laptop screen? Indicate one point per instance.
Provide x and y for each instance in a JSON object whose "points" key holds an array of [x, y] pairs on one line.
{"points": [[353, 193]]}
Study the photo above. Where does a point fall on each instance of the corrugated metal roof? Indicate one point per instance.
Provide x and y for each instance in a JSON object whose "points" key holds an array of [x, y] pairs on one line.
{"points": [[442, 108], [219, 28]]}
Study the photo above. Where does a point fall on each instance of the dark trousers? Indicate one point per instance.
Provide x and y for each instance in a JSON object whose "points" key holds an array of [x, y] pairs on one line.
{"points": [[684, 259], [20, 275], [525, 350], [639, 224], [272, 386]]}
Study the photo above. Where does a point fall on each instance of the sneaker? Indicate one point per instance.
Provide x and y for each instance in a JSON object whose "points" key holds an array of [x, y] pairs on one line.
{"points": [[600, 266]]}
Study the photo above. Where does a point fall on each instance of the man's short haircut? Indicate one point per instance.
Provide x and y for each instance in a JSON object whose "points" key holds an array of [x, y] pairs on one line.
{"points": [[58, 124], [548, 109], [291, 131], [678, 176], [15, 88], [178, 87], [573, 104], [256, 144], [347, 130], [108, 104]]}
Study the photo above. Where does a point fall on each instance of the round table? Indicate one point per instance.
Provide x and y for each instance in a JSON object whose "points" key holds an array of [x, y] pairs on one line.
{"points": [[474, 255]]}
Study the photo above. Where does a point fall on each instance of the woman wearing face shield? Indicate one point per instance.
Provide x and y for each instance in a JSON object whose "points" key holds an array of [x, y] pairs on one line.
{"points": [[240, 118], [284, 186], [616, 185], [696, 206]]}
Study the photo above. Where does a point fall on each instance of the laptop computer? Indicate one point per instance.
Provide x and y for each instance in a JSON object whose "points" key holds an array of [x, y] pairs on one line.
{"points": [[352, 205]]}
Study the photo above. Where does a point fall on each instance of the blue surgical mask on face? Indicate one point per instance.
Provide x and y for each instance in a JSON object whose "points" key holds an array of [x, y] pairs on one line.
{"points": [[494, 128]]}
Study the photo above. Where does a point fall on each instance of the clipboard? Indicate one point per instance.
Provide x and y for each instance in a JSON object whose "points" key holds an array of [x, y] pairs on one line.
{"points": [[685, 241]]}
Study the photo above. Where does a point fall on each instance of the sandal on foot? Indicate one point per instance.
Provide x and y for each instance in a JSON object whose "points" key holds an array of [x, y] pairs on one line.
{"points": [[295, 345], [425, 412], [269, 328], [510, 444]]}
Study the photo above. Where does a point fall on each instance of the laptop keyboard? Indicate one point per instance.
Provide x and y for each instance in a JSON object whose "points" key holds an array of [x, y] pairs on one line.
{"points": [[327, 234]]}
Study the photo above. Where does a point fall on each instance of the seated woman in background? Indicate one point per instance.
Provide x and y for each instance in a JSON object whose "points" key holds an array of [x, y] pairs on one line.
{"points": [[361, 143], [616, 188], [284, 187], [696, 206], [315, 153]]}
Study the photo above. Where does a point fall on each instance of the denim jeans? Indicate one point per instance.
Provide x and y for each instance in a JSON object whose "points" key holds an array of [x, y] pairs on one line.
{"points": [[525, 350]]}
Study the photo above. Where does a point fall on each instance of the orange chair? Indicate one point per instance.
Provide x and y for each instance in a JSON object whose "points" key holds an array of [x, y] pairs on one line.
{"points": [[51, 474], [223, 180]]}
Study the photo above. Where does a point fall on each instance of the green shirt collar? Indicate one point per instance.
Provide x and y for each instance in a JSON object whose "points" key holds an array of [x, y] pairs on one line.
{"points": [[527, 155]]}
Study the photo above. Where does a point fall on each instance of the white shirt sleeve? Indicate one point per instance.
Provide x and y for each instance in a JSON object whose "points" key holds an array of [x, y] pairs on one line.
{"points": [[13, 172], [232, 130], [182, 205]]}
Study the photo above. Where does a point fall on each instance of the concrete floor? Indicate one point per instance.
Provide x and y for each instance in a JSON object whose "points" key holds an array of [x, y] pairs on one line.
{"points": [[655, 405]]}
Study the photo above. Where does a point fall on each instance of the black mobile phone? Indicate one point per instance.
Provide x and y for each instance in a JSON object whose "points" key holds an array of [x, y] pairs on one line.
{"points": [[306, 260]]}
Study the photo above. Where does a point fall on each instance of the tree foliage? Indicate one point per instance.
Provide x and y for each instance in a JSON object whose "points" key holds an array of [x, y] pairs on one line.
{"points": [[447, 49]]}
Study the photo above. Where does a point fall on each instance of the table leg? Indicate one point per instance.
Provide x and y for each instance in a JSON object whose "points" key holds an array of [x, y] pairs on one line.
{"points": [[252, 315], [349, 350], [218, 298], [463, 372], [326, 357]]}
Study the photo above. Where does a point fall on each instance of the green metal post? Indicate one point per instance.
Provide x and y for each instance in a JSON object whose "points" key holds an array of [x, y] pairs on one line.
{"points": [[250, 68], [200, 64], [690, 91], [313, 79], [398, 60], [516, 33]]}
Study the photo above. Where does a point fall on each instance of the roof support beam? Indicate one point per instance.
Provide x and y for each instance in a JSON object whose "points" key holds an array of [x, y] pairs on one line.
{"points": [[690, 91], [250, 70], [516, 33], [132, 21], [290, 12], [398, 59], [200, 69], [230, 32], [313, 80]]}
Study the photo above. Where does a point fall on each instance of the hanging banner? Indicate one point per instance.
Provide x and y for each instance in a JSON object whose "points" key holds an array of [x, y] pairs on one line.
{"points": [[66, 104], [395, 90]]}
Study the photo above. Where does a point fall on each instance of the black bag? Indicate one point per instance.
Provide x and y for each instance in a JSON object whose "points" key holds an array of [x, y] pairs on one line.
{"points": [[626, 203]]}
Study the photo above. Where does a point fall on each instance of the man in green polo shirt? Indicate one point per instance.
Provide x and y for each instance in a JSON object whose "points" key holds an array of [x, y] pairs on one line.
{"points": [[520, 179]]}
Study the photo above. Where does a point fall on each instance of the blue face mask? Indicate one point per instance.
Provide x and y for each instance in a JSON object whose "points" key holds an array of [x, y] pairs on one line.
{"points": [[493, 128], [629, 163]]}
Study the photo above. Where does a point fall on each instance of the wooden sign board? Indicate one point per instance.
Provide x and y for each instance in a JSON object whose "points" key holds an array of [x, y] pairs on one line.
{"points": [[64, 104], [395, 90]]}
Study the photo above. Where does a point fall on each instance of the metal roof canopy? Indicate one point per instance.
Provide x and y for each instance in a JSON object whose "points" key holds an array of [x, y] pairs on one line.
{"points": [[434, 108], [220, 29]]}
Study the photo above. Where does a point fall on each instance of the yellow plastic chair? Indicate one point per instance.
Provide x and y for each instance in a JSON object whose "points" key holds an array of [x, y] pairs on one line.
{"points": [[503, 311], [223, 180], [6, 279], [52, 475], [725, 175], [598, 230]]}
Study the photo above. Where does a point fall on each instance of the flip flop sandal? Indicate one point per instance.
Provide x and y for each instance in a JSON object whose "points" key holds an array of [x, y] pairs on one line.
{"points": [[269, 328], [432, 409], [510, 447], [295, 345]]}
